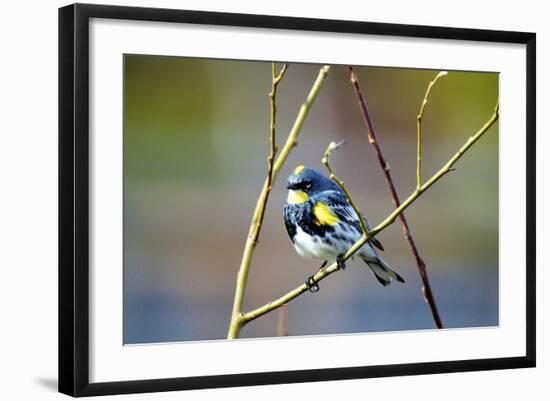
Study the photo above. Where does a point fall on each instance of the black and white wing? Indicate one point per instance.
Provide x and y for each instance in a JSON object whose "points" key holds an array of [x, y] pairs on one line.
{"points": [[339, 204]]}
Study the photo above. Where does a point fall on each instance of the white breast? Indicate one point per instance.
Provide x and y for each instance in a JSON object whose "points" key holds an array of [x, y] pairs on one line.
{"points": [[312, 247]]}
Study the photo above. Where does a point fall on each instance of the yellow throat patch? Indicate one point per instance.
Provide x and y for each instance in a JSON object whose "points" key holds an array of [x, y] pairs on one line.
{"points": [[299, 169], [295, 197], [323, 215]]}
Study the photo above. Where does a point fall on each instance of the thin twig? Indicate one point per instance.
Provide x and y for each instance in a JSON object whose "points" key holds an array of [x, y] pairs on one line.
{"points": [[421, 265], [327, 271], [331, 147], [275, 80], [419, 128], [282, 326], [273, 170]]}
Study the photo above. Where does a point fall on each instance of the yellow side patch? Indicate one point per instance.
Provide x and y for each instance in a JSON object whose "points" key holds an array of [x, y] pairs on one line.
{"points": [[295, 197], [299, 169], [323, 215]]}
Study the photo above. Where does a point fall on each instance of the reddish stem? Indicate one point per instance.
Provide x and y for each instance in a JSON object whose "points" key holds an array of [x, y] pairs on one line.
{"points": [[282, 326], [427, 289]]}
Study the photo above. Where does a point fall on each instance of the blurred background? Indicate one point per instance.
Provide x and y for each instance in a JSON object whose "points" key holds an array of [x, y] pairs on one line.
{"points": [[195, 146]]}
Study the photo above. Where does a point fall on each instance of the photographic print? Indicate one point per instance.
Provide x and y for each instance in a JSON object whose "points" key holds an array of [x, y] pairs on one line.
{"points": [[236, 211], [244, 183]]}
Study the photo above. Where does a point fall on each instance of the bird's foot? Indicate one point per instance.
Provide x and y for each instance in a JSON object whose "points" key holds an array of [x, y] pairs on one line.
{"points": [[312, 285], [340, 262]]}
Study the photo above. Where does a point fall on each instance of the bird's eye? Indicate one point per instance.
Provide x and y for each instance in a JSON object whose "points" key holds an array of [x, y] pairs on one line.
{"points": [[308, 185]]}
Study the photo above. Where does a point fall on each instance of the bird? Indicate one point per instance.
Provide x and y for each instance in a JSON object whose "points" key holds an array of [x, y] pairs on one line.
{"points": [[323, 225]]}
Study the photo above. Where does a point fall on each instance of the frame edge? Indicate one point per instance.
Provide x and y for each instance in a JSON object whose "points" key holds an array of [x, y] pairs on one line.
{"points": [[66, 305], [531, 200], [73, 193]]}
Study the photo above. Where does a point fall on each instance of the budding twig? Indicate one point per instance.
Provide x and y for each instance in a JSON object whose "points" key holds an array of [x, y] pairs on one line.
{"points": [[331, 147]]}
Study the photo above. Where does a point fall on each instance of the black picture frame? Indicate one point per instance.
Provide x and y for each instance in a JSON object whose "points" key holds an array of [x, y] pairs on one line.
{"points": [[74, 198]]}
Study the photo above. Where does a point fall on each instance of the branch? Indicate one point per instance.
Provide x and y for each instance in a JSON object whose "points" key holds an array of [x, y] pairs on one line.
{"points": [[327, 271], [421, 265], [419, 128], [291, 141], [274, 166], [333, 146], [275, 79]]}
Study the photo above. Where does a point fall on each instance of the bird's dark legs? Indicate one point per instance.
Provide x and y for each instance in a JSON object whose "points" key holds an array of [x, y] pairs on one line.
{"points": [[341, 263], [311, 284]]}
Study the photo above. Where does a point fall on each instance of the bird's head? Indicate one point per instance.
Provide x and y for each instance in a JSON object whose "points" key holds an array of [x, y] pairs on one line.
{"points": [[305, 182]]}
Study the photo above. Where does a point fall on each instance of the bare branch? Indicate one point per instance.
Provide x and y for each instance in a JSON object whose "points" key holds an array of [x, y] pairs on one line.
{"points": [[333, 146], [419, 128], [373, 140], [274, 166]]}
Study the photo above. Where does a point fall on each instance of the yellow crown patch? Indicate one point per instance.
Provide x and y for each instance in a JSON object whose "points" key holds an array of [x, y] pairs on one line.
{"points": [[299, 169]]}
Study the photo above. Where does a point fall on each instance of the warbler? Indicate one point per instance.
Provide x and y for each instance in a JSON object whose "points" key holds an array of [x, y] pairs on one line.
{"points": [[323, 225]]}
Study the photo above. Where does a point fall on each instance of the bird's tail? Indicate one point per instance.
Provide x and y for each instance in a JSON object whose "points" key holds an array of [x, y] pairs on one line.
{"points": [[383, 272]]}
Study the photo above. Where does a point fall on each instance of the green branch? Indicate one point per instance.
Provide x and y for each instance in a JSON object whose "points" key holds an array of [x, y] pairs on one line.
{"points": [[274, 166], [419, 128], [331, 147]]}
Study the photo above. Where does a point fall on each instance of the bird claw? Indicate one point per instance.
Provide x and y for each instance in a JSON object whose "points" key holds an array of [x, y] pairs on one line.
{"points": [[312, 285], [340, 262]]}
